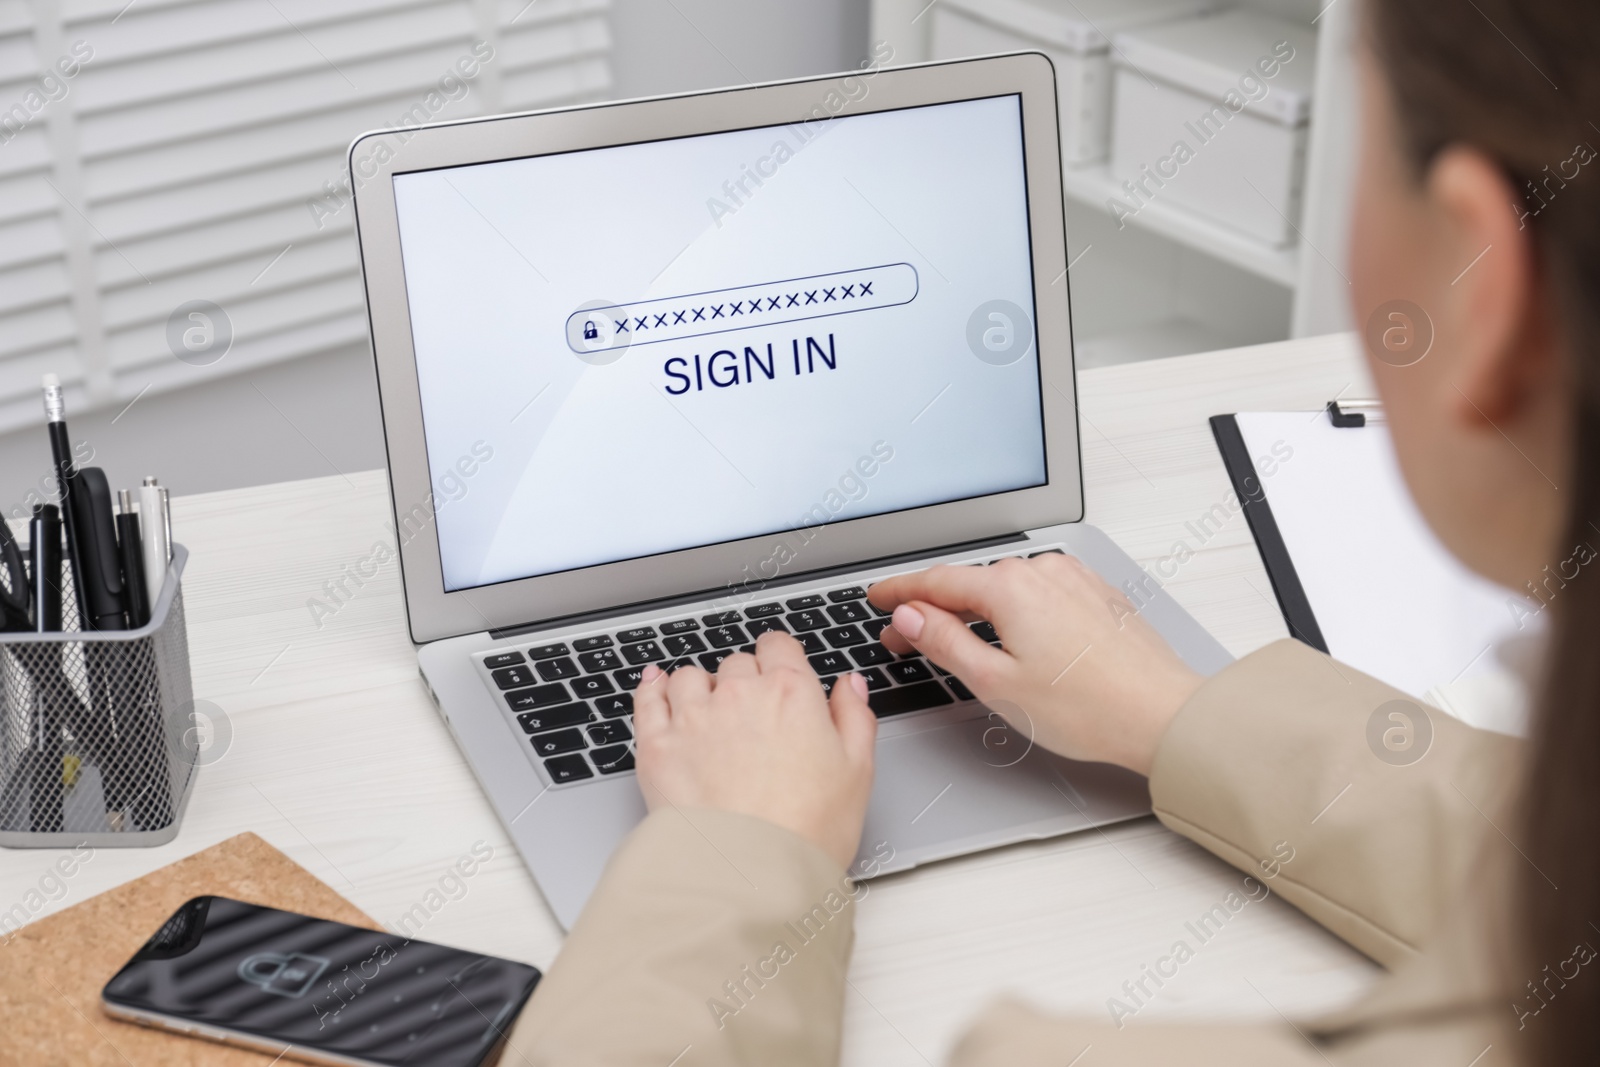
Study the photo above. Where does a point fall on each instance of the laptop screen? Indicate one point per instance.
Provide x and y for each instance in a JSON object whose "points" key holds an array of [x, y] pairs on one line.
{"points": [[643, 348]]}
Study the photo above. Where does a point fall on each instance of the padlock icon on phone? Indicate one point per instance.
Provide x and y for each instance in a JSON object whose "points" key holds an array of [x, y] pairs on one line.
{"points": [[282, 975], [590, 331]]}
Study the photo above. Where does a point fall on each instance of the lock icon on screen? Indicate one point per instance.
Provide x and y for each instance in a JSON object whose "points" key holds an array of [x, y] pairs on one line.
{"points": [[590, 332]]}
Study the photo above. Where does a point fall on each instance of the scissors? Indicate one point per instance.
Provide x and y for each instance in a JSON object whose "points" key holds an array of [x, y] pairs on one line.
{"points": [[15, 602]]}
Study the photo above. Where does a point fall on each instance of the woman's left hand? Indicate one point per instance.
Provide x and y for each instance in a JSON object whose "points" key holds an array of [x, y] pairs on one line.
{"points": [[759, 738]]}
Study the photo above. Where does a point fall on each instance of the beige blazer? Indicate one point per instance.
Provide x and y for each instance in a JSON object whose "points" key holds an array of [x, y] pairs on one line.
{"points": [[719, 939]]}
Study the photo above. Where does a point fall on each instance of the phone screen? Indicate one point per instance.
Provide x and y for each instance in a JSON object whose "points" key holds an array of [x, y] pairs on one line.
{"points": [[362, 995]]}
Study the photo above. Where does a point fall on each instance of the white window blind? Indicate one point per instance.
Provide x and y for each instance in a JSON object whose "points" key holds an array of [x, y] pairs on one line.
{"points": [[159, 152]]}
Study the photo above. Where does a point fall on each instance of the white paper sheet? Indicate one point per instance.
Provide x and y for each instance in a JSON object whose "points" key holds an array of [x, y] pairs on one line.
{"points": [[1390, 599]]}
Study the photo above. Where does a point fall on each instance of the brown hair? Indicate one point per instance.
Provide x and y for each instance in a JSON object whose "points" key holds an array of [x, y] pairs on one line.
{"points": [[1518, 80]]}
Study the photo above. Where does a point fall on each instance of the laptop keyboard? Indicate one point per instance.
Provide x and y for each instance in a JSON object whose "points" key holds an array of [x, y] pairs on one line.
{"points": [[573, 699]]}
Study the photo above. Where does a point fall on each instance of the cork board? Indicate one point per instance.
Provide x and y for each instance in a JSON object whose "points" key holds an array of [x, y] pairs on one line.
{"points": [[52, 971]]}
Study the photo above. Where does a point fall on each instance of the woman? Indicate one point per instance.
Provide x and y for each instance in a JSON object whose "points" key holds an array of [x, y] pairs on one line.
{"points": [[1476, 201]]}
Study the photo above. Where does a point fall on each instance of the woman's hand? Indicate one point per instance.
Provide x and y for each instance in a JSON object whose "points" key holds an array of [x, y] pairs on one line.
{"points": [[759, 738], [1081, 673]]}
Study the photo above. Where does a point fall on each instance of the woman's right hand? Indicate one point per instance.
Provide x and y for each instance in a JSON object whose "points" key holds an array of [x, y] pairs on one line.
{"points": [[1081, 673]]}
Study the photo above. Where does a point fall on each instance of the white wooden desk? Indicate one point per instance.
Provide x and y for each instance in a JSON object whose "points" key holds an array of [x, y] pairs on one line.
{"points": [[338, 757]]}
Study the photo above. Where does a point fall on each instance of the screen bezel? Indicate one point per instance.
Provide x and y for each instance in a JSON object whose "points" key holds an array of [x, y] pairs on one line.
{"points": [[433, 613]]}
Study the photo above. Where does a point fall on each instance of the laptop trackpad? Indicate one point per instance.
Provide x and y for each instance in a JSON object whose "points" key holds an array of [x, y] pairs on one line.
{"points": [[975, 784]]}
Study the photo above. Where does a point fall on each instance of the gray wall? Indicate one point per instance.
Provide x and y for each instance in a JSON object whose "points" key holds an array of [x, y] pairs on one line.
{"points": [[318, 415]]}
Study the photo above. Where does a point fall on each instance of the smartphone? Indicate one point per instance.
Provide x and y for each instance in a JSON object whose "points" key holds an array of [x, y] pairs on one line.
{"points": [[318, 991]]}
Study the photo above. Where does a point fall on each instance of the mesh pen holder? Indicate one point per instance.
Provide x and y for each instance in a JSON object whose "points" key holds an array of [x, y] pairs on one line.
{"points": [[97, 739]]}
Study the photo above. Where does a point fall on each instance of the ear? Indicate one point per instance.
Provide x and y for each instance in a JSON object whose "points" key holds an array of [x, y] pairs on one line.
{"points": [[1504, 348]]}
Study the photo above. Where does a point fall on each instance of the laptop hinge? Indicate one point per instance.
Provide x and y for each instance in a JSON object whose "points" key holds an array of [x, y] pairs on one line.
{"points": [[753, 590]]}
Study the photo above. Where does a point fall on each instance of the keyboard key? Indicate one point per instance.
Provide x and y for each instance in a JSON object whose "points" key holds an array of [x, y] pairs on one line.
{"points": [[513, 677], [871, 655], [801, 603], [609, 733], [547, 651], [750, 648], [565, 769], [540, 696], [606, 659], [827, 684], [678, 626], [594, 685], [959, 688], [984, 630], [637, 634], [683, 644], [1047, 552], [504, 659], [830, 663], [906, 698], [844, 636], [721, 618], [643, 652], [673, 664], [852, 611], [613, 707], [559, 741], [589, 644], [725, 636], [875, 627], [875, 679], [802, 621], [855, 592], [711, 660], [553, 669], [909, 670], [628, 678], [882, 614], [533, 722], [761, 611], [761, 626], [812, 644], [613, 760]]}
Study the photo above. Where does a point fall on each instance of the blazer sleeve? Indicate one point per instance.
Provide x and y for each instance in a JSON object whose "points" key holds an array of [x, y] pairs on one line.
{"points": [[713, 939], [1359, 805]]}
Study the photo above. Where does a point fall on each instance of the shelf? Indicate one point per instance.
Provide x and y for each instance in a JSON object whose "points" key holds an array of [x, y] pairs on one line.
{"points": [[1094, 186]]}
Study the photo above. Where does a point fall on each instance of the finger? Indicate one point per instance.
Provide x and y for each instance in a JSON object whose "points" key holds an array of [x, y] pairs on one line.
{"points": [[955, 589], [738, 665], [945, 639], [896, 641], [853, 718], [651, 709], [775, 650], [688, 688]]}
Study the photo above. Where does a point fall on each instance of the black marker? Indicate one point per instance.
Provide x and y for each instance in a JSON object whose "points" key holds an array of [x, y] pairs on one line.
{"points": [[99, 575], [44, 557], [131, 548], [44, 552]]}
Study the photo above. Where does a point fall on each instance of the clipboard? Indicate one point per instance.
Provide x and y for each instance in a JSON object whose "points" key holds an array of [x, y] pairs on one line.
{"points": [[1355, 569]]}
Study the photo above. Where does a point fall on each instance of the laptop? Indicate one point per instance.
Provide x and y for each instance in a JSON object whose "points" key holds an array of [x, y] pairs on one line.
{"points": [[661, 375]]}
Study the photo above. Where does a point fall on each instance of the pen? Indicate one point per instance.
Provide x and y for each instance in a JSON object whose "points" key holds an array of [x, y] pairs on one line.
{"points": [[130, 547], [156, 528], [55, 414]]}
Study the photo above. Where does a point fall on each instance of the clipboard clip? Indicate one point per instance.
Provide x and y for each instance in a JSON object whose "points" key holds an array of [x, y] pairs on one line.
{"points": [[1354, 414]]}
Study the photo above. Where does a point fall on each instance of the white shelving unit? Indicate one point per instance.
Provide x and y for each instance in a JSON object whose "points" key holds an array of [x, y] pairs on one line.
{"points": [[1093, 186], [1167, 281]]}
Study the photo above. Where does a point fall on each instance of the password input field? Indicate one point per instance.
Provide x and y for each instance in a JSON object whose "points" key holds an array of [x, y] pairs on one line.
{"points": [[597, 329]]}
